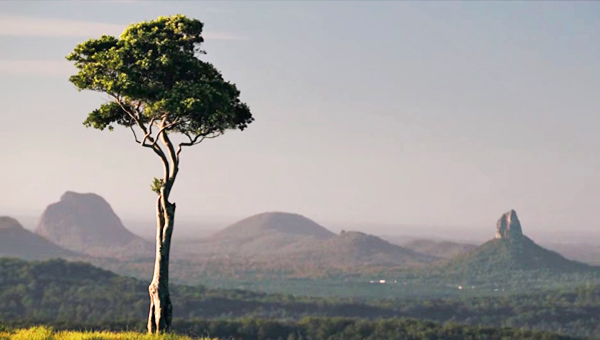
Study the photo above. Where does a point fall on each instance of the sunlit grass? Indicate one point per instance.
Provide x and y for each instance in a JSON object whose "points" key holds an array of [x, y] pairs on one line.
{"points": [[45, 333]]}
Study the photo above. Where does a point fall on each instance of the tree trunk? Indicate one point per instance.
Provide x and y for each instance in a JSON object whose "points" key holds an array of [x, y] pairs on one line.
{"points": [[161, 309]]}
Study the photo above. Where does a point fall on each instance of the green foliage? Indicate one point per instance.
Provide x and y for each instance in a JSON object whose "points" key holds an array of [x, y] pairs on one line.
{"points": [[157, 185], [153, 71], [79, 296]]}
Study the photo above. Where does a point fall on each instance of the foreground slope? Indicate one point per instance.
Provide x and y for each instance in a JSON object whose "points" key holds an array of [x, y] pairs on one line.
{"points": [[86, 223], [47, 333], [16, 241], [310, 328]]}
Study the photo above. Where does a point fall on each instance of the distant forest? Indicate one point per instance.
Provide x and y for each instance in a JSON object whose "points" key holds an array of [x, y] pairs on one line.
{"points": [[78, 295]]}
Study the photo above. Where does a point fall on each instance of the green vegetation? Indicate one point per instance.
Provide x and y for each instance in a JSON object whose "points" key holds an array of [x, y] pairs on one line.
{"points": [[483, 274], [499, 256], [79, 296], [45, 333], [499, 266], [307, 329]]}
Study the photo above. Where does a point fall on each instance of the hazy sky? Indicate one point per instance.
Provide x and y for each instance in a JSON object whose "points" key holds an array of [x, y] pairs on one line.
{"points": [[434, 113]]}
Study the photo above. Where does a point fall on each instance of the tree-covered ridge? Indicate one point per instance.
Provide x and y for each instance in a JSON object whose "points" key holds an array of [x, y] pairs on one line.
{"points": [[16, 241], [70, 294], [499, 257]]}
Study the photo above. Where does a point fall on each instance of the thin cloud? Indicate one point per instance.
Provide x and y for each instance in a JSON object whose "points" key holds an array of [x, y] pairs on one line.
{"points": [[44, 68], [218, 10], [23, 26], [20, 26], [222, 36]]}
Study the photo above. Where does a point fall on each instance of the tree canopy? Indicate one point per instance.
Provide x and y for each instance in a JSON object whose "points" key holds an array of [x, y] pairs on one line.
{"points": [[154, 74]]}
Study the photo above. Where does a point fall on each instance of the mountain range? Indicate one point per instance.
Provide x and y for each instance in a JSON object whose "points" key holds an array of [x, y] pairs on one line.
{"points": [[82, 225], [295, 238]]}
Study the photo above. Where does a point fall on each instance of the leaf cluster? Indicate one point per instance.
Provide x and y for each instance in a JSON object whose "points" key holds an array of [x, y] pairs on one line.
{"points": [[153, 71]]}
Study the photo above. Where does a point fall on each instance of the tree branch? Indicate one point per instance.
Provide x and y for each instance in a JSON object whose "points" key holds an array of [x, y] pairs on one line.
{"points": [[194, 141], [148, 135], [165, 127], [133, 131], [175, 161], [168, 172], [136, 118], [132, 115]]}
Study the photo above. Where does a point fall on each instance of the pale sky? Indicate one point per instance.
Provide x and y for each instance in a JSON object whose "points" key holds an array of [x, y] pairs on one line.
{"points": [[430, 113]]}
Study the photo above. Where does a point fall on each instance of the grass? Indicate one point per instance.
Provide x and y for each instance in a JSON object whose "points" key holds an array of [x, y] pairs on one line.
{"points": [[45, 333]]}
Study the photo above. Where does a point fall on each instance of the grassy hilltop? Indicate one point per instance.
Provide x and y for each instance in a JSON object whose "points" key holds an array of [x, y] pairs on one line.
{"points": [[339, 329], [44, 333]]}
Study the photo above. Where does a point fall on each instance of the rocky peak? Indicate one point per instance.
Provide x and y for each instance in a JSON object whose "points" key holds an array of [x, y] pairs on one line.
{"points": [[85, 222], [509, 227], [80, 200]]}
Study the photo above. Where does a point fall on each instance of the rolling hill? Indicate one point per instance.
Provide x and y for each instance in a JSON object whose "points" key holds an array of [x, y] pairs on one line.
{"points": [[285, 241], [355, 248], [16, 241], [263, 234]]}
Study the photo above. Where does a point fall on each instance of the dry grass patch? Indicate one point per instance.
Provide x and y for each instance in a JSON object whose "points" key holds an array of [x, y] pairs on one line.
{"points": [[45, 333]]}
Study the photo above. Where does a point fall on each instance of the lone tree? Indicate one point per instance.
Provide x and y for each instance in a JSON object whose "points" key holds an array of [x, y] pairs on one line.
{"points": [[158, 86]]}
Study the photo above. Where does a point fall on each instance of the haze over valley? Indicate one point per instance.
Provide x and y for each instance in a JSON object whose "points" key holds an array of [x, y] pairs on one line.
{"points": [[84, 224]]}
